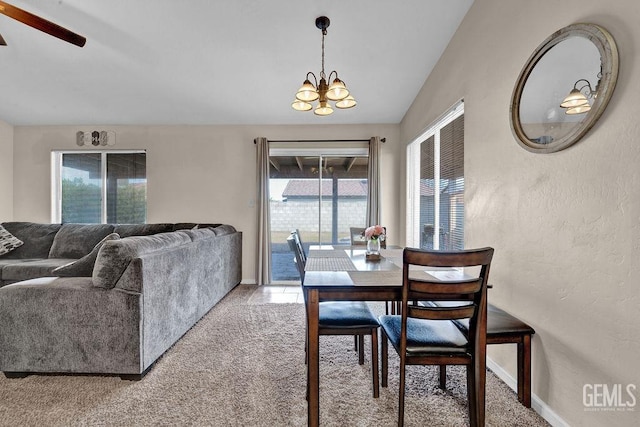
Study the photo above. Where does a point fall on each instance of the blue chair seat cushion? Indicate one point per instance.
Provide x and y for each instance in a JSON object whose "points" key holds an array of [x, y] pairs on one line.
{"points": [[346, 314], [425, 336]]}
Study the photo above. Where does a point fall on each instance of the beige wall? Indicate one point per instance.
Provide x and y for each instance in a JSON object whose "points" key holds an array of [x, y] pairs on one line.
{"points": [[6, 172], [195, 173], [565, 226]]}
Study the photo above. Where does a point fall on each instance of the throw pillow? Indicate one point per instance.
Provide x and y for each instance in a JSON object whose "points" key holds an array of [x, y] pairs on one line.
{"points": [[83, 267], [8, 241], [76, 240]]}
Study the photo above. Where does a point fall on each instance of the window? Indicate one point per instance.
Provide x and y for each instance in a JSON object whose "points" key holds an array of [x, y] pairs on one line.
{"points": [[99, 187], [435, 183]]}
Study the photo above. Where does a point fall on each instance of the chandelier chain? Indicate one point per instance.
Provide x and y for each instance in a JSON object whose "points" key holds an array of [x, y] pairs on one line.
{"points": [[322, 74]]}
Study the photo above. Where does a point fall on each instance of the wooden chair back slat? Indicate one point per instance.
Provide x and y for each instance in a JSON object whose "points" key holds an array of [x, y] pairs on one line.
{"points": [[462, 287], [467, 258], [442, 313]]}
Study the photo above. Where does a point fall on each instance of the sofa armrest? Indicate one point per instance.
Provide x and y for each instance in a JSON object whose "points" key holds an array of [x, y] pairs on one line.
{"points": [[53, 324]]}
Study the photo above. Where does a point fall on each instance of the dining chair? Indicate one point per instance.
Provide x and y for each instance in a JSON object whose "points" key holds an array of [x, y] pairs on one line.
{"points": [[299, 255], [356, 236], [343, 318], [427, 334]]}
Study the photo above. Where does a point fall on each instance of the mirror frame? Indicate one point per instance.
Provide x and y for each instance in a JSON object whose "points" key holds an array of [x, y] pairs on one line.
{"points": [[609, 58]]}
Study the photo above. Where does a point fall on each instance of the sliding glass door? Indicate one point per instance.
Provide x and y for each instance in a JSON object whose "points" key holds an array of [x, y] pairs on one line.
{"points": [[321, 194]]}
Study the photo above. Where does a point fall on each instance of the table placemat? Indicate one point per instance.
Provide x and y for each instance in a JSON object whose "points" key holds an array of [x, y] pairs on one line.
{"points": [[327, 253], [393, 255], [383, 278], [330, 264]]}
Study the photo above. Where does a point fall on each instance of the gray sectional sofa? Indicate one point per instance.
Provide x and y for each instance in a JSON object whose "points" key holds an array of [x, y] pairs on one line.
{"points": [[108, 299]]}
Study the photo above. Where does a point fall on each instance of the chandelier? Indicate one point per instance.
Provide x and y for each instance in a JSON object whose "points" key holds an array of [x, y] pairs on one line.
{"points": [[323, 92]]}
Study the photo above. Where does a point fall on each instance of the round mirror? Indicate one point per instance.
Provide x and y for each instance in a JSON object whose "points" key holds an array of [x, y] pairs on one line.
{"points": [[564, 88]]}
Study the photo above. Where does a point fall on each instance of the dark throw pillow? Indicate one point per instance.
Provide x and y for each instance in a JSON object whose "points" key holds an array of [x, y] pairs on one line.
{"points": [[8, 241], [83, 267]]}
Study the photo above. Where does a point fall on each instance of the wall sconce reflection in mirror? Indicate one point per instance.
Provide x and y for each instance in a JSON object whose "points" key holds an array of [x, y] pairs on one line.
{"points": [[577, 102], [96, 138]]}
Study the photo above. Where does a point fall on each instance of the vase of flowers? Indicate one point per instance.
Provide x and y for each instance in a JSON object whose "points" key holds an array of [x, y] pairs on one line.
{"points": [[373, 247], [374, 235]]}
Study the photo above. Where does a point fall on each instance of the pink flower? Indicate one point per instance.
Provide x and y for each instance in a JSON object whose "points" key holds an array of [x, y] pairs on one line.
{"points": [[374, 232]]}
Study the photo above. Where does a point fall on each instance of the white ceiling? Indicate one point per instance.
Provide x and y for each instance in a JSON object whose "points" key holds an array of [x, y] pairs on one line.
{"points": [[217, 62]]}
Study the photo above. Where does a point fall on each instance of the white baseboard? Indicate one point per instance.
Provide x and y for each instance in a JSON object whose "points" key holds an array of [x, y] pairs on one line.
{"points": [[537, 404]]}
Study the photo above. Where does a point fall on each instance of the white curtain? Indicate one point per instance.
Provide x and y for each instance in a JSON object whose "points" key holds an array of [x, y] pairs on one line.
{"points": [[263, 270], [373, 199]]}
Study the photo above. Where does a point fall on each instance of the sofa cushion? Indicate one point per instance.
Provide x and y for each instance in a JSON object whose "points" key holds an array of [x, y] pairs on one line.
{"points": [[29, 269], [190, 225], [115, 255], [77, 240], [83, 267], [8, 261], [126, 230], [224, 229], [184, 226], [8, 241], [199, 233], [37, 239]]}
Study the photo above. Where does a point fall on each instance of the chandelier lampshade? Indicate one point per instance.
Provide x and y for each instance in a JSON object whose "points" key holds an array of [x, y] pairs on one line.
{"points": [[579, 109], [325, 90], [347, 102], [301, 105], [307, 92], [337, 90], [323, 109]]}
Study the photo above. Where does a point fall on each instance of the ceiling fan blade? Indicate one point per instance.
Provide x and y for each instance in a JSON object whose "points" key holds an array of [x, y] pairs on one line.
{"points": [[2, 42], [41, 24]]}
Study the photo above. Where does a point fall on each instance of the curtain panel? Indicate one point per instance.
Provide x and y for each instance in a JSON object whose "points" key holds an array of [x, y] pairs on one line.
{"points": [[263, 264], [373, 178]]}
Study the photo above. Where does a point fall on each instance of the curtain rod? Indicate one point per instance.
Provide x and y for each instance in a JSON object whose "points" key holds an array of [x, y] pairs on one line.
{"points": [[322, 140]]}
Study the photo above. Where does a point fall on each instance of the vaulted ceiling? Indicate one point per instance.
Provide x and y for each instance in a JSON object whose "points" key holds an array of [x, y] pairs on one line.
{"points": [[216, 61]]}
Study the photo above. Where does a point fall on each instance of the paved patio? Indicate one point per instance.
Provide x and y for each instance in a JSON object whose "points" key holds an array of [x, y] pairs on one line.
{"points": [[282, 266]]}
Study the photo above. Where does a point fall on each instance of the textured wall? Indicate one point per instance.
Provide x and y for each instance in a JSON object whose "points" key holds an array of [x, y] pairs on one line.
{"points": [[6, 171], [565, 226]]}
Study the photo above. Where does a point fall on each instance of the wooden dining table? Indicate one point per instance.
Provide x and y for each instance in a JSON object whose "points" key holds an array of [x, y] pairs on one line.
{"points": [[334, 273]]}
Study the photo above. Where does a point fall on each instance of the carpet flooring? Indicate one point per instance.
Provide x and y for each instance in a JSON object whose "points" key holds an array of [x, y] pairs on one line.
{"points": [[243, 365]]}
